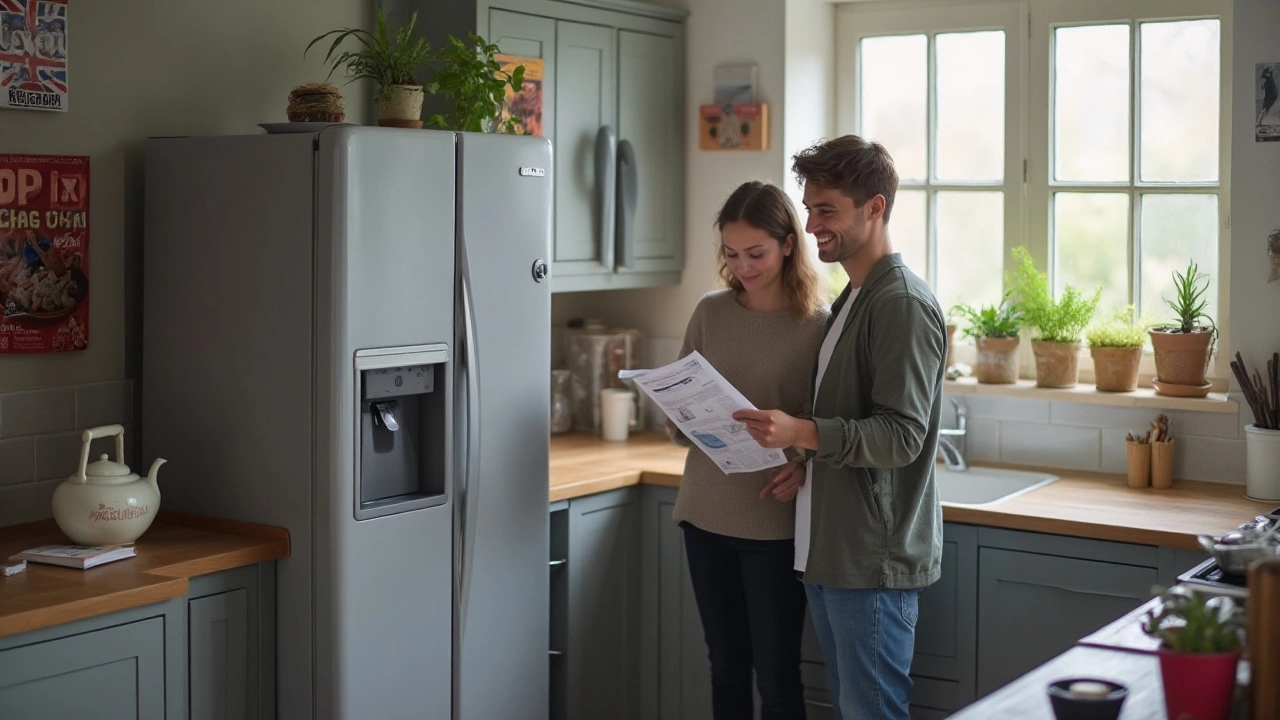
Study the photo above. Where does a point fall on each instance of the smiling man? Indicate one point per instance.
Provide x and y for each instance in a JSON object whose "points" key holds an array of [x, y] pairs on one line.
{"points": [[868, 520]]}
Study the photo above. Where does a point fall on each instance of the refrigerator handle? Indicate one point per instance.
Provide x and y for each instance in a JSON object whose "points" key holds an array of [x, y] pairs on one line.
{"points": [[626, 213], [606, 187], [469, 476]]}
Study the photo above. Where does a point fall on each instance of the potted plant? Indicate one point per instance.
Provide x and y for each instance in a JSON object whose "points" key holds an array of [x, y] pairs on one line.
{"points": [[1058, 323], [470, 78], [1200, 644], [1116, 347], [994, 328], [391, 62], [1183, 349]]}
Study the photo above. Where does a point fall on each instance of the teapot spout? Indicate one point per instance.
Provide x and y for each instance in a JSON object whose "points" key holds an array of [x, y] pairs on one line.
{"points": [[151, 475]]}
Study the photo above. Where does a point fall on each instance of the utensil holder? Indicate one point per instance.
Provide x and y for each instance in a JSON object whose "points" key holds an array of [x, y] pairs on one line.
{"points": [[1138, 456], [1162, 465]]}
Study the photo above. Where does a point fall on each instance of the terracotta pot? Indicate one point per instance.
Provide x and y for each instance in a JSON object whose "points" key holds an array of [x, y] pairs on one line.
{"points": [[997, 361], [403, 108], [1198, 685], [1057, 364], [1181, 358], [1115, 369]]}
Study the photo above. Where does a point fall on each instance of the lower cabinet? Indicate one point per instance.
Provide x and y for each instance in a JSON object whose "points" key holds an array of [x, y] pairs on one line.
{"points": [[209, 654]]}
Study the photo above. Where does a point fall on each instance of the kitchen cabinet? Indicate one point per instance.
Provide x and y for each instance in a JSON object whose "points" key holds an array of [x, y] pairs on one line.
{"points": [[613, 106], [209, 654]]}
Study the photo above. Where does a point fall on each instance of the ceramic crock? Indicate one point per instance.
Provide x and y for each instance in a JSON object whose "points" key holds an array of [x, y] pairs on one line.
{"points": [[104, 503]]}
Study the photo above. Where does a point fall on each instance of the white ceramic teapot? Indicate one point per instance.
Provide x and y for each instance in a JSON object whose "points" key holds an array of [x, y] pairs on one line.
{"points": [[104, 503]]}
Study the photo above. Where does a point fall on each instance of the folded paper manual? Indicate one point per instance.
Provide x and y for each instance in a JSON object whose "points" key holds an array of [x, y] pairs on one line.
{"points": [[701, 403]]}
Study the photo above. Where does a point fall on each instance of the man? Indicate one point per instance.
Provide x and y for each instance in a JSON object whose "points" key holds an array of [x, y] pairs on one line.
{"points": [[868, 521]]}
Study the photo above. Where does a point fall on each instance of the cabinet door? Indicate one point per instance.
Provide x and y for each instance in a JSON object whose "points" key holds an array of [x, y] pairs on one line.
{"points": [[650, 103], [585, 100], [1033, 607], [604, 596], [109, 674], [946, 633], [218, 652]]}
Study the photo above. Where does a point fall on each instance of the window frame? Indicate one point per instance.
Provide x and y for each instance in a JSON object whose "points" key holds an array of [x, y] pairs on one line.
{"points": [[1028, 186]]}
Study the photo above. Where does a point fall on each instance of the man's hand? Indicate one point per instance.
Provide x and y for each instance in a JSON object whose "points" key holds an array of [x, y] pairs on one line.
{"points": [[776, 429], [786, 484]]}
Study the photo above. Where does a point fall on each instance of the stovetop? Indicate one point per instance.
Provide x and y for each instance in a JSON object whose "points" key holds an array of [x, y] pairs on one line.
{"points": [[1213, 579]]}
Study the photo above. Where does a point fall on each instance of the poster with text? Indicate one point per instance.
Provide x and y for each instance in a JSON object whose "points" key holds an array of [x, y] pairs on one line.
{"points": [[526, 105], [33, 54], [44, 253], [1267, 128]]}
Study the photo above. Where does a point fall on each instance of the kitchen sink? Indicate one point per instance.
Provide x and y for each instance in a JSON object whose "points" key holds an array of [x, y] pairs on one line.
{"points": [[987, 486]]}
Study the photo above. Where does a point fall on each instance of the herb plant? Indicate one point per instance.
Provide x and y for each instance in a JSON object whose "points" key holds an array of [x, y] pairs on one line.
{"points": [[1189, 303], [384, 60], [1118, 331], [474, 83], [1186, 622], [990, 321], [1061, 320]]}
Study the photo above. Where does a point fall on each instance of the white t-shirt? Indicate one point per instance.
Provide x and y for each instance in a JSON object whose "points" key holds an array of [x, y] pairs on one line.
{"points": [[804, 500]]}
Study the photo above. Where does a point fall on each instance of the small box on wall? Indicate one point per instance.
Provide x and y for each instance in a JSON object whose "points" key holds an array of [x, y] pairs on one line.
{"points": [[733, 127]]}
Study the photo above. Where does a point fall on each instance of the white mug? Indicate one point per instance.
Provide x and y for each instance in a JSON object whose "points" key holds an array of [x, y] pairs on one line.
{"points": [[617, 413]]}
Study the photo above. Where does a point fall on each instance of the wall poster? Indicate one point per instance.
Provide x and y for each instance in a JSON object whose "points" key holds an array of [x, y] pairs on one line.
{"points": [[44, 253], [525, 105], [1267, 128], [33, 54]]}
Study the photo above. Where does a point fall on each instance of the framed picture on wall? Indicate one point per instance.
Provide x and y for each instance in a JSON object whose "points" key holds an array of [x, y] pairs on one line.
{"points": [[33, 54]]}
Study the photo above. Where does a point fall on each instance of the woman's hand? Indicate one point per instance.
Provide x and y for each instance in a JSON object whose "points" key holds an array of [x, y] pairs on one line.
{"points": [[776, 429], [786, 484]]}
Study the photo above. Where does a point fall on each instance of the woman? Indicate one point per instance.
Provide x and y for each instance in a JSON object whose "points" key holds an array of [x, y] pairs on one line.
{"points": [[762, 334]]}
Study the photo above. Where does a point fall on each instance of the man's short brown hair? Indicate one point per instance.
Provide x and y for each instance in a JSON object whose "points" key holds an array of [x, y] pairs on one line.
{"points": [[861, 169]]}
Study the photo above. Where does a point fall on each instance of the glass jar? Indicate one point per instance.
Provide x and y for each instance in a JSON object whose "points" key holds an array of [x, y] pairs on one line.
{"points": [[561, 401]]}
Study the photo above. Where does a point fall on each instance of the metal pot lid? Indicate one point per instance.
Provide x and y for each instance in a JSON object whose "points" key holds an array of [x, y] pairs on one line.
{"points": [[106, 468]]}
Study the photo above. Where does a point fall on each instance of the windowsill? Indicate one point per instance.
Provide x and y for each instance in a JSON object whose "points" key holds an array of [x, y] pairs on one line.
{"points": [[1214, 402]]}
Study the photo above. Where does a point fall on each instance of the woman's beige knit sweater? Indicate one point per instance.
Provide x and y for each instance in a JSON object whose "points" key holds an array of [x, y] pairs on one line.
{"points": [[769, 357]]}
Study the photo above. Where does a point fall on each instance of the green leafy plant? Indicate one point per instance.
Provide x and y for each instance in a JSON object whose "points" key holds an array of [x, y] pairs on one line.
{"points": [[474, 83], [990, 321], [1061, 320], [1187, 622], [1120, 330], [385, 60], [1189, 302]]}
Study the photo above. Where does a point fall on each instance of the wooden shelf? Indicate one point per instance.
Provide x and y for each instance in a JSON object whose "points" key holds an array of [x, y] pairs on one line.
{"points": [[1214, 402]]}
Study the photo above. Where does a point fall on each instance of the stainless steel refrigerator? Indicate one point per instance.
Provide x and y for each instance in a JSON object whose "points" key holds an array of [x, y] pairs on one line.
{"points": [[347, 333]]}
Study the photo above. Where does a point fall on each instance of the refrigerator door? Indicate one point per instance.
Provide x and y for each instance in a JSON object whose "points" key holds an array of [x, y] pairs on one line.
{"points": [[504, 241]]}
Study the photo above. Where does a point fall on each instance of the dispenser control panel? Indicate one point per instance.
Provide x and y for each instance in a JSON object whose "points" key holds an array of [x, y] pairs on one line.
{"points": [[398, 381]]}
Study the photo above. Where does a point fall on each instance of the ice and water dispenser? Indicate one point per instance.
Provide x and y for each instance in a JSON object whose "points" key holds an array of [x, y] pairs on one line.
{"points": [[403, 446]]}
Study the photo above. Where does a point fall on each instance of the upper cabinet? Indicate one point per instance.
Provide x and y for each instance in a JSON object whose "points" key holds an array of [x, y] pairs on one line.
{"points": [[613, 106]]}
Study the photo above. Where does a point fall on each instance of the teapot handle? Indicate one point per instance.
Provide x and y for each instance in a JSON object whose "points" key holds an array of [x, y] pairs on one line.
{"points": [[89, 436]]}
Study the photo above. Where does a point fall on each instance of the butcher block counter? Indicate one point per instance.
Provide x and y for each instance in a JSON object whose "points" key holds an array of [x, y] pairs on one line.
{"points": [[174, 549], [1081, 504]]}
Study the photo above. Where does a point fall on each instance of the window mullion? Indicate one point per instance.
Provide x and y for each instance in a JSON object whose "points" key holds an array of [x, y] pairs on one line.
{"points": [[931, 158]]}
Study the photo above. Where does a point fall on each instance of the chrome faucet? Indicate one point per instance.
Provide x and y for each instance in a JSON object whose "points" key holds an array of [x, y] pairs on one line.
{"points": [[952, 442]]}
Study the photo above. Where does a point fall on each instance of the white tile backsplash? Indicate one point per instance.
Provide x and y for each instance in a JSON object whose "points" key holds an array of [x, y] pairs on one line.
{"points": [[1205, 458], [17, 460], [1005, 408], [27, 502], [37, 412], [983, 439], [1027, 443], [104, 404], [1108, 416]]}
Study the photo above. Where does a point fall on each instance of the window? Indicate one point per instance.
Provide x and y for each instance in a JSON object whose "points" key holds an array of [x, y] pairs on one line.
{"points": [[1089, 131]]}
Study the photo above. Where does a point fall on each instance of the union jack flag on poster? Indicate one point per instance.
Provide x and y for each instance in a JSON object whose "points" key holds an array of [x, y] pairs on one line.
{"points": [[33, 54]]}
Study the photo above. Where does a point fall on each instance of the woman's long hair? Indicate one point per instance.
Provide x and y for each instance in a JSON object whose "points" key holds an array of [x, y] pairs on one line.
{"points": [[766, 207]]}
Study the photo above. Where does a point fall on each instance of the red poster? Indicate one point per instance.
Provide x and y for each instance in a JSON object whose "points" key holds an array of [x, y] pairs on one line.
{"points": [[44, 253]]}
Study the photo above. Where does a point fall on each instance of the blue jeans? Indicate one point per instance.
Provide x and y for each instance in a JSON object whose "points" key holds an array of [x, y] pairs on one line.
{"points": [[867, 638]]}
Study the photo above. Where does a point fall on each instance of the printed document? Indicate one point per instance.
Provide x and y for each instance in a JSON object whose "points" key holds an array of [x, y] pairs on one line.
{"points": [[701, 403]]}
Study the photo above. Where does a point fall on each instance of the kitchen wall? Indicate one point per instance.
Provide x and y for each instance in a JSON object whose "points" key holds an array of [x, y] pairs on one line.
{"points": [[139, 68]]}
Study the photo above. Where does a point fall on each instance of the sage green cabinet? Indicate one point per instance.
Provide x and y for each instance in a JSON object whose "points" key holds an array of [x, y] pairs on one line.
{"points": [[613, 106]]}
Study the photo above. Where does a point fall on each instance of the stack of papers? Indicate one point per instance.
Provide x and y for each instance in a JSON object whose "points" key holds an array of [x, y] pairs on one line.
{"points": [[76, 556]]}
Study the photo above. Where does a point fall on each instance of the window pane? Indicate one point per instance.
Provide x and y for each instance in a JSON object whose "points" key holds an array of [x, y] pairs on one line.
{"points": [[1091, 244], [970, 111], [1175, 230], [970, 229], [1091, 103], [907, 225], [1178, 92], [894, 82]]}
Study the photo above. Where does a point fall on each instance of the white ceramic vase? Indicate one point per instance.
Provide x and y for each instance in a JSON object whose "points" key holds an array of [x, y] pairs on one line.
{"points": [[1262, 463]]}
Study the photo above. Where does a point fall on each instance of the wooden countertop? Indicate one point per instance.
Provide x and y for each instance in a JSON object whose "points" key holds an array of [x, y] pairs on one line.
{"points": [[175, 548], [1081, 504]]}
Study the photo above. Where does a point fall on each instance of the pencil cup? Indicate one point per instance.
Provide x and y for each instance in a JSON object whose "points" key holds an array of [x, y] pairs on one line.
{"points": [[1162, 464], [617, 412], [1139, 458]]}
